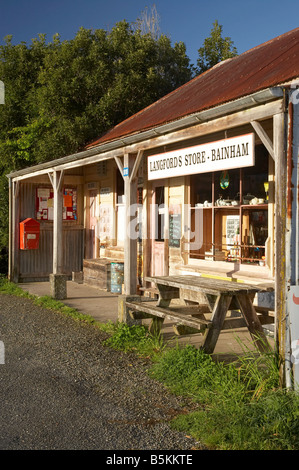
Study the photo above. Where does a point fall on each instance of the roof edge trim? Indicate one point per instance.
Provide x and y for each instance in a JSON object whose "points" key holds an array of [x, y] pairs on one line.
{"points": [[243, 103]]}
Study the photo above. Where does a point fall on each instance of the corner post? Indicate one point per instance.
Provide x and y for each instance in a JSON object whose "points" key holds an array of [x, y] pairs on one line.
{"points": [[15, 231], [279, 137], [57, 278], [130, 267]]}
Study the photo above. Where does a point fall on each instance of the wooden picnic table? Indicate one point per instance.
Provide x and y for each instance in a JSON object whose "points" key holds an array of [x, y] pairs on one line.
{"points": [[204, 297]]}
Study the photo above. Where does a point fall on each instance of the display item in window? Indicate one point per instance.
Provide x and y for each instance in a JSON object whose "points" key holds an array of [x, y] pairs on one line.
{"points": [[224, 180]]}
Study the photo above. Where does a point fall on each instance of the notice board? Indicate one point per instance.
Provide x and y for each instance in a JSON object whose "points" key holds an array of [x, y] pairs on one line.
{"points": [[44, 203]]}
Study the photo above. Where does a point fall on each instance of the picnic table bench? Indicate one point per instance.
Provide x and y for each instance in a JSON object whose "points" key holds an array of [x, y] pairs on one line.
{"points": [[206, 302]]}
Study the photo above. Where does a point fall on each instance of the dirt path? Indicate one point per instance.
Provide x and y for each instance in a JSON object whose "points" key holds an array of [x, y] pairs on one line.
{"points": [[60, 388]]}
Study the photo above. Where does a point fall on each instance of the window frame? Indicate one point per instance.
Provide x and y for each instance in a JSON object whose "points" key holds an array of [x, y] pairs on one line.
{"points": [[239, 210]]}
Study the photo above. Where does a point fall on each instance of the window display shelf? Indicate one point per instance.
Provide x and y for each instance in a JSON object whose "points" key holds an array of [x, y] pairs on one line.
{"points": [[255, 206], [234, 206]]}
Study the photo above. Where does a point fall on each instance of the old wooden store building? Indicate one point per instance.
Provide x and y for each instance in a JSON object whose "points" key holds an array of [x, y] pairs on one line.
{"points": [[202, 183]]}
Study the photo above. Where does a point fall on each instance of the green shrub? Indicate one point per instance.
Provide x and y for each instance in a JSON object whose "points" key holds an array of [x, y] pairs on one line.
{"points": [[135, 338], [240, 406], [10, 288]]}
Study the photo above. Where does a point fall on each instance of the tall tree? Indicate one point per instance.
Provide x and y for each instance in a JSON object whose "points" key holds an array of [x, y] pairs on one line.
{"points": [[62, 94], [19, 69], [100, 78], [149, 22], [215, 49]]}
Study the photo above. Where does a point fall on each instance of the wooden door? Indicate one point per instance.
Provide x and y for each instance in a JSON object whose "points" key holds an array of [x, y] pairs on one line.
{"points": [[92, 228], [157, 231], [120, 210]]}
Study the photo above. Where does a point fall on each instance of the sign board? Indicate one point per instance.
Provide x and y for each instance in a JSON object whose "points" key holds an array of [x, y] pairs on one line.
{"points": [[44, 204], [105, 191], [175, 229], [293, 304], [92, 185], [235, 152], [126, 171]]}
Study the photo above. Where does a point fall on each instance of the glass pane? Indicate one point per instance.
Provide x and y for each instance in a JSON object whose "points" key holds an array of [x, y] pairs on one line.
{"points": [[227, 187], [227, 235], [120, 188], [201, 189], [160, 216], [254, 236], [255, 177], [201, 233]]}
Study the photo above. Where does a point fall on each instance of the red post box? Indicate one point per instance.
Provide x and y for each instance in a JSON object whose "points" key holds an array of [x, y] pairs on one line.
{"points": [[29, 234]]}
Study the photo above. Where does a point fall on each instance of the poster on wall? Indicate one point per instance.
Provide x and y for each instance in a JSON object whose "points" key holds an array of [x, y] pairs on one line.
{"points": [[175, 224], [232, 229], [69, 204], [105, 223], [45, 204]]}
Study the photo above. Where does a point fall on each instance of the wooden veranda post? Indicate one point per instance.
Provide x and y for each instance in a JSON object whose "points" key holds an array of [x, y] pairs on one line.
{"points": [[294, 221], [130, 268], [292, 278], [15, 231], [57, 279], [129, 171], [56, 180], [279, 131]]}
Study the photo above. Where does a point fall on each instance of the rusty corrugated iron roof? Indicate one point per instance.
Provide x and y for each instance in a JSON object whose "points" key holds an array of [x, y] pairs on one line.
{"points": [[267, 65]]}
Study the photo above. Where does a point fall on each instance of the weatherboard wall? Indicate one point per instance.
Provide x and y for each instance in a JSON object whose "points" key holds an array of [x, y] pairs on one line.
{"points": [[38, 264]]}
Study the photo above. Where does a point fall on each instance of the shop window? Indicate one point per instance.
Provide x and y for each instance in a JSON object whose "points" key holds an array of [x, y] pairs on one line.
{"points": [[139, 213], [159, 236], [120, 188], [234, 206]]}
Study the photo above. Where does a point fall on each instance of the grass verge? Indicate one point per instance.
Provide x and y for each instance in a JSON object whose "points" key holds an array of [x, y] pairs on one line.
{"points": [[9, 288], [239, 405], [134, 338]]}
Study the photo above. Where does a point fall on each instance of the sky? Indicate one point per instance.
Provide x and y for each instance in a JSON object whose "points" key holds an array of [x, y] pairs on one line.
{"points": [[248, 24]]}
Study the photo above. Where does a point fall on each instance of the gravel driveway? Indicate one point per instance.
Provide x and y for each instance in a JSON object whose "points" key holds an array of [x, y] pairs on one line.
{"points": [[60, 388]]}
